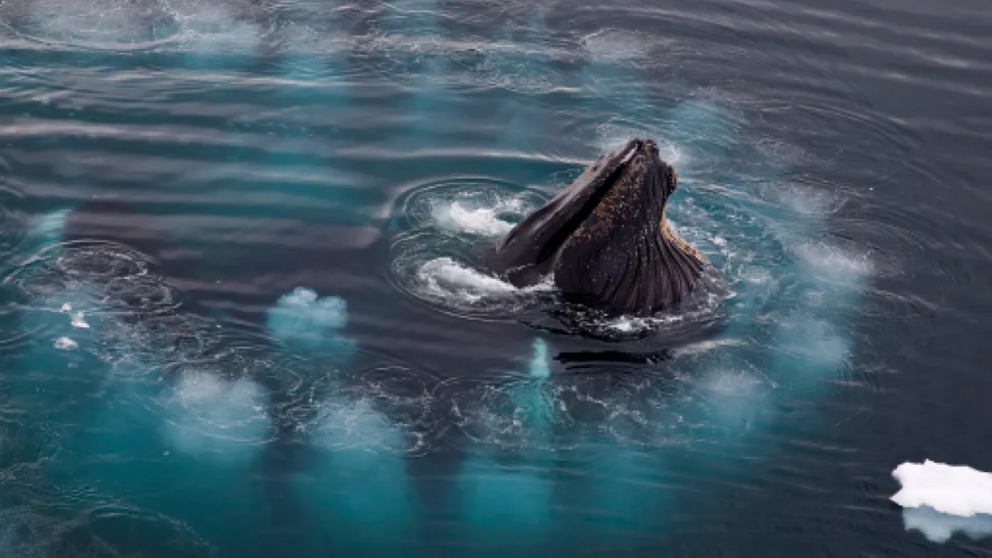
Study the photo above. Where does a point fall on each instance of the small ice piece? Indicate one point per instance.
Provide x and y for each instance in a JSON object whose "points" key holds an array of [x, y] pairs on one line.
{"points": [[301, 314], [78, 320], [940, 527], [66, 308], [65, 344], [951, 489]]}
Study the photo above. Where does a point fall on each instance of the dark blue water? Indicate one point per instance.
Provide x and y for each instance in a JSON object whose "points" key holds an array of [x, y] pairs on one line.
{"points": [[243, 311]]}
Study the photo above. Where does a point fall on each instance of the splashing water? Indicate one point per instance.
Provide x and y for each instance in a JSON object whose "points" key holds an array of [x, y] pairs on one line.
{"points": [[485, 221]]}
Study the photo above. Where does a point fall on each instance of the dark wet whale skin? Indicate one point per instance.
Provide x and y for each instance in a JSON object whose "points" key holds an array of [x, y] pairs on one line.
{"points": [[605, 240]]}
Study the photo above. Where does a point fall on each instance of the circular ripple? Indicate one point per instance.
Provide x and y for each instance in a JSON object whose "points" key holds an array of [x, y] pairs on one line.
{"points": [[445, 228], [104, 290], [110, 25], [472, 210]]}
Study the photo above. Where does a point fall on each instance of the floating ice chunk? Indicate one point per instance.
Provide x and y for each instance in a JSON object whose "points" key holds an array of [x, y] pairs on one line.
{"points": [[65, 344], [956, 490], [301, 315], [939, 527], [79, 320], [66, 308]]}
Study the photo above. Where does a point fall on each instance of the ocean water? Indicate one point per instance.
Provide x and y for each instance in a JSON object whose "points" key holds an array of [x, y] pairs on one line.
{"points": [[243, 310]]}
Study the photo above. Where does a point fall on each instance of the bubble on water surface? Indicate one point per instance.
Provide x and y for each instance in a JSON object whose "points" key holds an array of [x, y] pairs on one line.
{"points": [[216, 419], [475, 211], [302, 319], [462, 218], [302, 312], [615, 45], [447, 226], [458, 287], [96, 24], [65, 344]]}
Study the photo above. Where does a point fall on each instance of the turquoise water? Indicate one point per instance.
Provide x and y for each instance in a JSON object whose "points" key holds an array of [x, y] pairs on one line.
{"points": [[244, 310]]}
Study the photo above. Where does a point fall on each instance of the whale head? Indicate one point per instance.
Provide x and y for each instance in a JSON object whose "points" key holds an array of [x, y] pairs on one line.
{"points": [[605, 240]]}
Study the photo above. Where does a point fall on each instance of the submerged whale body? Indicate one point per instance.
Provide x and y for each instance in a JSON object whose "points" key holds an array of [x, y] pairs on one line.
{"points": [[605, 240]]}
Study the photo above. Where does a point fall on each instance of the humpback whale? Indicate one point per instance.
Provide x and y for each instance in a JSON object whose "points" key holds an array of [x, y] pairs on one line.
{"points": [[605, 239]]}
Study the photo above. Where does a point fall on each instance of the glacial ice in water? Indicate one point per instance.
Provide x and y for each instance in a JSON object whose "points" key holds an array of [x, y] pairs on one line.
{"points": [[952, 489], [939, 500]]}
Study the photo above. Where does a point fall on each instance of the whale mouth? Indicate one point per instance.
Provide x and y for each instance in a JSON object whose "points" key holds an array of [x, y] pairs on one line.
{"points": [[607, 173], [605, 241], [529, 251]]}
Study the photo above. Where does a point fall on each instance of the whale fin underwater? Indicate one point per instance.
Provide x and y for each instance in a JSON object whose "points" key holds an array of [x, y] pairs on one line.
{"points": [[605, 240]]}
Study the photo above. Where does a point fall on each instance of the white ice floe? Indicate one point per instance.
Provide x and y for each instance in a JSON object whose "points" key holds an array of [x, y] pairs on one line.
{"points": [[950, 489], [65, 344]]}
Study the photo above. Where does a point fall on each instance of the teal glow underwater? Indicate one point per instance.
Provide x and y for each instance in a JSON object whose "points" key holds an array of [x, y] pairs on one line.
{"points": [[244, 308]]}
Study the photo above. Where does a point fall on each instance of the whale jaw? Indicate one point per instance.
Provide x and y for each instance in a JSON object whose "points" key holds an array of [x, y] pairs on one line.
{"points": [[605, 240]]}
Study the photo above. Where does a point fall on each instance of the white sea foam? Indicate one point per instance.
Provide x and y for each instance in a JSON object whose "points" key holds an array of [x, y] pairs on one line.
{"points": [[79, 320], [635, 324], [213, 418], [301, 315], [65, 344], [448, 278], [353, 425], [956, 490], [835, 264], [615, 45], [93, 22], [460, 217]]}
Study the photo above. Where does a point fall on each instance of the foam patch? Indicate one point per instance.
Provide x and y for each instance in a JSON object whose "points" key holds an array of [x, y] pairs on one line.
{"points": [[460, 217], [446, 276], [209, 417], [301, 317]]}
